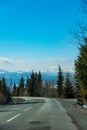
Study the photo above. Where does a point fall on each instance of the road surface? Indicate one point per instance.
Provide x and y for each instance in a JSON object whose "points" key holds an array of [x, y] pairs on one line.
{"points": [[41, 114]]}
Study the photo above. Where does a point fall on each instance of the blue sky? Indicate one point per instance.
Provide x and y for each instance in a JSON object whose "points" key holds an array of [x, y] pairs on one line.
{"points": [[34, 34]]}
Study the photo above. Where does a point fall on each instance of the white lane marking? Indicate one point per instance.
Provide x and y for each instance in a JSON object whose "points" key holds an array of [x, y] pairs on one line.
{"points": [[13, 117], [28, 109]]}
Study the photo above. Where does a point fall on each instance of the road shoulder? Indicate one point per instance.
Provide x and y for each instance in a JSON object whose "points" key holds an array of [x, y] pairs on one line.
{"points": [[76, 112]]}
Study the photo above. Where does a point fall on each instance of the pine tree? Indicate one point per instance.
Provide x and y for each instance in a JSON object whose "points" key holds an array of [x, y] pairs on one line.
{"points": [[36, 84], [18, 91], [81, 70], [60, 82], [21, 86], [39, 84], [4, 91], [11, 84], [28, 86], [0, 86], [69, 91], [32, 84], [14, 90], [3, 85]]}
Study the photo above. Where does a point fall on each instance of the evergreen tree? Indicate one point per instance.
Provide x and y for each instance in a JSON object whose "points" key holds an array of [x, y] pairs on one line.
{"points": [[69, 91], [36, 84], [4, 91], [18, 91], [32, 84], [14, 90], [3, 85], [60, 82], [81, 69], [28, 86], [21, 86], [39, 79], [39, 84], [11, 84]]}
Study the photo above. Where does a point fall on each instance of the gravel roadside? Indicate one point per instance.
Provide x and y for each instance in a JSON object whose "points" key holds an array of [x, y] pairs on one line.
{"points": [[76, 112]]}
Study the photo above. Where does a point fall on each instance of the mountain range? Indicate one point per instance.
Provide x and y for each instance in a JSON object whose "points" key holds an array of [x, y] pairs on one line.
{"points": [[14, 77]]}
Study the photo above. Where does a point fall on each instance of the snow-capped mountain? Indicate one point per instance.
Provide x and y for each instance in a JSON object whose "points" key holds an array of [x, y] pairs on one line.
{"points": [[16, 76], [11, 77]]}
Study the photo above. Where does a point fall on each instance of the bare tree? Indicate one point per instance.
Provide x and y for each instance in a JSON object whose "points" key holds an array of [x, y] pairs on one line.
{"points": [[84, 7], [79, 30]]}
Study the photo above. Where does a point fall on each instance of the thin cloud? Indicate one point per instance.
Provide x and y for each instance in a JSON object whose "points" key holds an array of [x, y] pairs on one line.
{"points": [[5, 60], [63, 59], [11, 61], [18, 61]]}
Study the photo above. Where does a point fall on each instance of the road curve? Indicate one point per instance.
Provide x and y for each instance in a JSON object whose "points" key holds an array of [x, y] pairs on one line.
{"points": [[43, 114]]}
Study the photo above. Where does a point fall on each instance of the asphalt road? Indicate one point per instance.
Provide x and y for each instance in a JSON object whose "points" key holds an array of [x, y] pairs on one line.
{"points": [[43, 114]]}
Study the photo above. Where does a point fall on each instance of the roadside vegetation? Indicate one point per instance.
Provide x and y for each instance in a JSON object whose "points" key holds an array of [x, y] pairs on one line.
{"points": [[34, 86], [4, 92], [65, 85], [80, 38]]}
